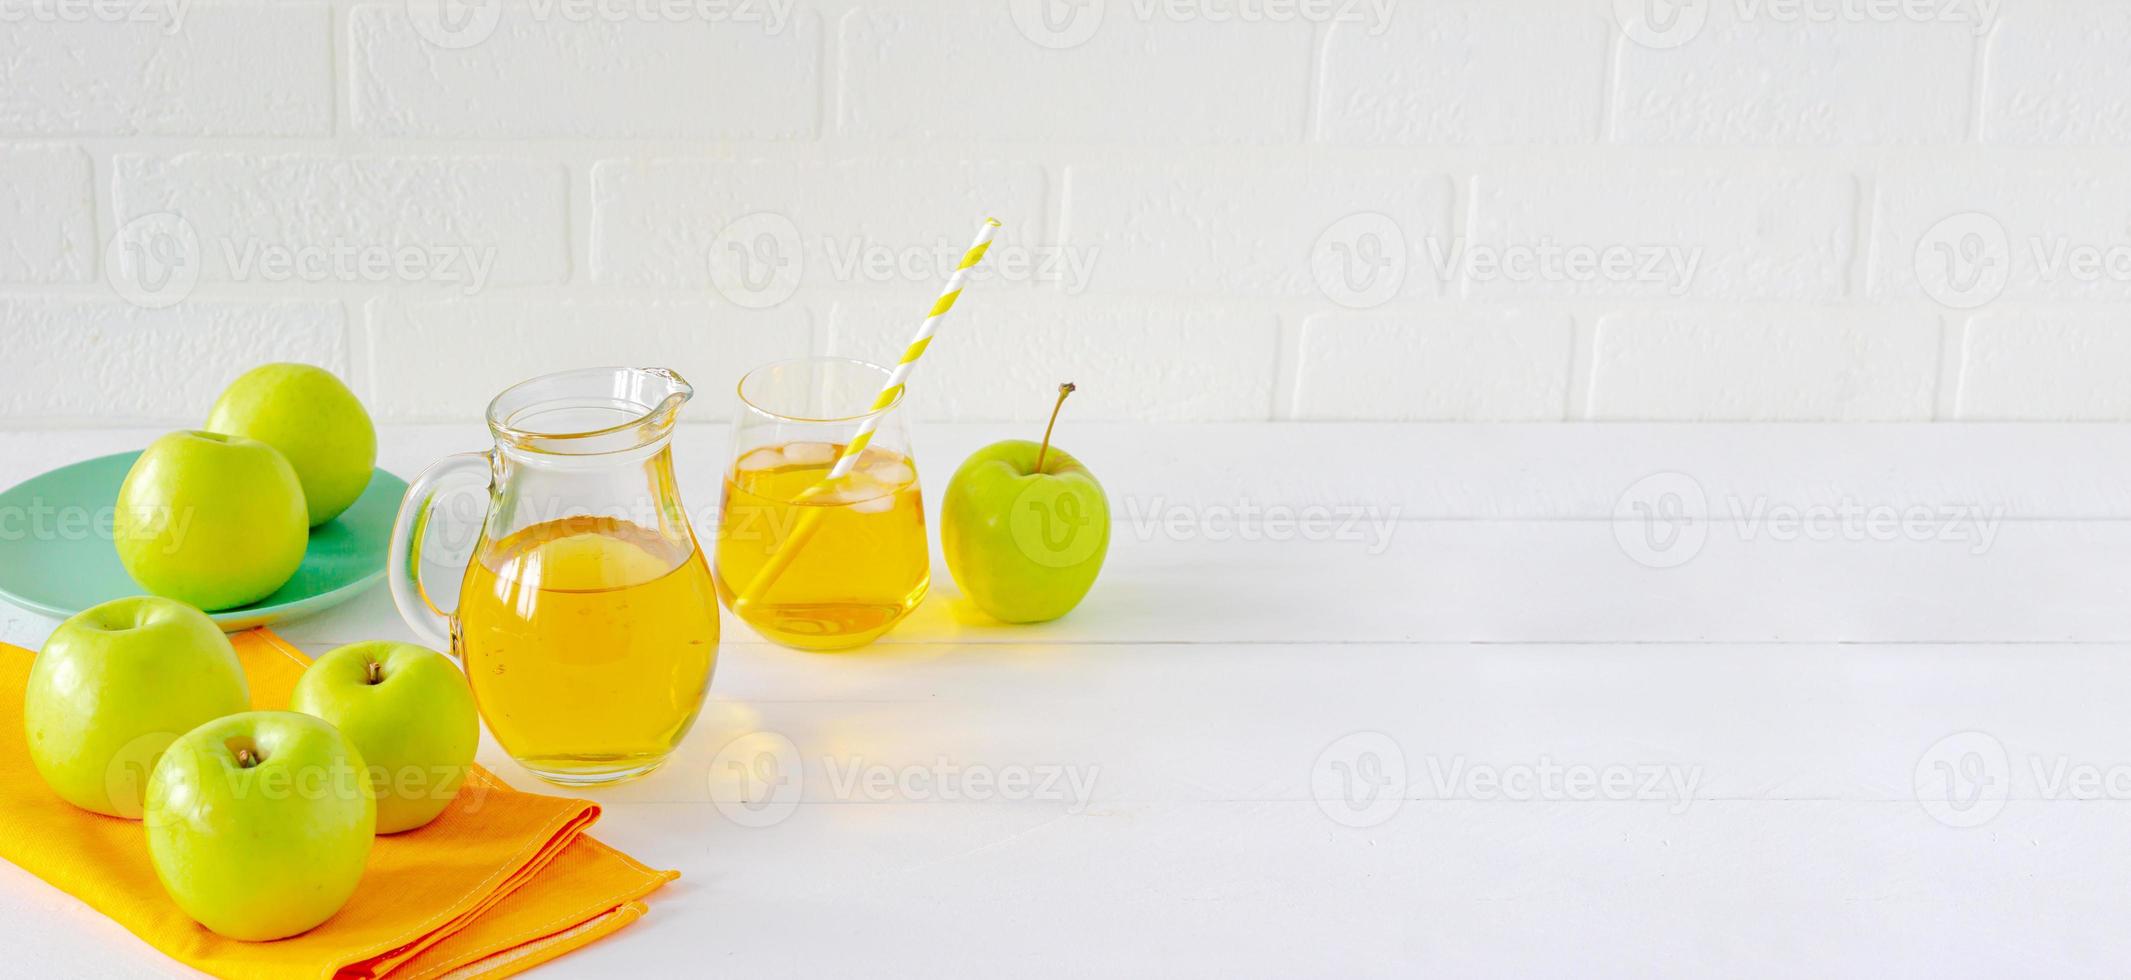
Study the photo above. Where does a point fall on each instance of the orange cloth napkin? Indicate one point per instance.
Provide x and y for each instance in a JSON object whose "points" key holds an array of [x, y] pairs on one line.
{"points": [[502, 881]]}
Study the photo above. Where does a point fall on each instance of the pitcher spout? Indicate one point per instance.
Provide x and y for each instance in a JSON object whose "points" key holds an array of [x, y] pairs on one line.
{"points": [[590, 411], [677, 391]]}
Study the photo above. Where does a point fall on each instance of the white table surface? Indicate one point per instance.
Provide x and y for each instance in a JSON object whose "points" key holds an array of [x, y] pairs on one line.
{"points": [[1728, 734]]}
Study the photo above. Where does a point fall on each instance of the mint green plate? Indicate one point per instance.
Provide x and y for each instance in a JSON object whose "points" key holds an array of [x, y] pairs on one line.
{"points": [[56, 555]]}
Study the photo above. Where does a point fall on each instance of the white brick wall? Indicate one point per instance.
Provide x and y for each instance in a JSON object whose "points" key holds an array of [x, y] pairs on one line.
{"points": [[528, 77], [213, 69], [444, 358], [1131, 359], [48, 195], [2043, 364], [2060, 75], [1217, 230], [1464, 73], [104, 359], [1748, 77], [1400, 209], [2008, 230], [330, 214], [1708, 233], [657, 222], [916, 70], [1726, 364], [1492, 365]]}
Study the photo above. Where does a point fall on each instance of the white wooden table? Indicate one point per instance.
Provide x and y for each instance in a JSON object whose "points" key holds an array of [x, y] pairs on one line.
{"points": [[1486, 729]]}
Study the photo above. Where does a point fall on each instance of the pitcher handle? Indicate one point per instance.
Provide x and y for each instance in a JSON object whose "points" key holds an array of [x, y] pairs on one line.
{"points": [[404, 565]]}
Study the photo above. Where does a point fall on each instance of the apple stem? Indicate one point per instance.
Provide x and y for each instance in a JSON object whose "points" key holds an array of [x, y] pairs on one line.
{"points": [[246, 759], [1063, 390], [374, 673]]}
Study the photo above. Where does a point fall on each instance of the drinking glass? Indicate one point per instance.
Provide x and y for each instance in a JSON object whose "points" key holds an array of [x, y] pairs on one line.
{"points": [[586, 618], [809, 562]]}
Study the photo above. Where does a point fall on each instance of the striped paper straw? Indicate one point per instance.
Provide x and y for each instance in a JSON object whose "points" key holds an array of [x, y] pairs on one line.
{"points": [[894, 388], [804, 528]]}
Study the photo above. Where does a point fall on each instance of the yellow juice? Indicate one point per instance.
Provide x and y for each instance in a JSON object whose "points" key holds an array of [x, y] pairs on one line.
{"points": [[589, 643], [861, 570]]}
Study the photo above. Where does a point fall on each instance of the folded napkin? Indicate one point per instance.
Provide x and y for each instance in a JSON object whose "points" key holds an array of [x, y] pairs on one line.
{"points": [[500, 882]]}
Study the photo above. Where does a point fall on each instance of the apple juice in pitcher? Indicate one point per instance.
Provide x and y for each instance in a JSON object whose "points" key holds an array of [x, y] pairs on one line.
{"points": [[586, 620], [588, 642]]}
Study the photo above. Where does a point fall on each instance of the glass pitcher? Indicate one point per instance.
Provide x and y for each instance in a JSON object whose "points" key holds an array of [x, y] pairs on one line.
{"points": [[587, 620]]}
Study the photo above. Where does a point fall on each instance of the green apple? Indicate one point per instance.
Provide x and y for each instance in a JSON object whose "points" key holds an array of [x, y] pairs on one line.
{"points": [[259, 823], [410, 713], [1025, 527], [113, 686], [210, 519], [314, 420]]}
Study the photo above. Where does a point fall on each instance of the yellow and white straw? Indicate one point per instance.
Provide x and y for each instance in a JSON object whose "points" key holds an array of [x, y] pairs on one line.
{"points": [[804, 527], [897, 378]]}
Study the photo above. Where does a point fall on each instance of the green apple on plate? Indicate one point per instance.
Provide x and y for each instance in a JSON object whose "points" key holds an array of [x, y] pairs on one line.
{"points": [[259, 823], [1025, 527], [314, 420], [409, 712], [211, 519], [113, 686], [57, 560]]}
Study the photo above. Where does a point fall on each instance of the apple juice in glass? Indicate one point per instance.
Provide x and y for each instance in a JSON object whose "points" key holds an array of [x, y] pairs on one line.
{"points": [[809, 562], [586, 619]]}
